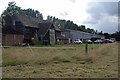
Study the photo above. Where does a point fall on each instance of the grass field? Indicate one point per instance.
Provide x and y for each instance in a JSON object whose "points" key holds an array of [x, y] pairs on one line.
{"points": [[61, 61]]}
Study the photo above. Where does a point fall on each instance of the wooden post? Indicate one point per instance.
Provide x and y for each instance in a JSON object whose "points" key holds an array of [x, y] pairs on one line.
{"points": [[30, 48], [14, 37], [41, 39], [92, 45], [86, 47]]}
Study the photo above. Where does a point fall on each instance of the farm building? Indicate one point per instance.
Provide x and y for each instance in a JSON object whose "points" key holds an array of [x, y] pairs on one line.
{"points": [[48, 33], [73, 34], [26, 29], [21, 28], [62, 40]]}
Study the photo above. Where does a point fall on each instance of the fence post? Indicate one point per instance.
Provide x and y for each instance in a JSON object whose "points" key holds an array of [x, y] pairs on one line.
{"points": [[30, 48], [86, 47]]}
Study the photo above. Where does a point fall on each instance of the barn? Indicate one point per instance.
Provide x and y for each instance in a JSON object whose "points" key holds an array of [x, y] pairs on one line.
{"points": [[48, 32], [26, 29], [21, 28]]}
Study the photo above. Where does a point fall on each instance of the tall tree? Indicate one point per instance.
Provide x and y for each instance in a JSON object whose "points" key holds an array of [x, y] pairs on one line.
{"points": [[12, 9], [33, 13], [82, 28]]}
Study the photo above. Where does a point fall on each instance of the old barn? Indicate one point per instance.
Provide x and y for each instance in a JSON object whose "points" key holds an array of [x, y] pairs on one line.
{"points": [[26, 29]]}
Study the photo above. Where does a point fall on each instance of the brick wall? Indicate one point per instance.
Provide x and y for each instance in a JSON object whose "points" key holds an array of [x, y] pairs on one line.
{"points": [[11, 39]]}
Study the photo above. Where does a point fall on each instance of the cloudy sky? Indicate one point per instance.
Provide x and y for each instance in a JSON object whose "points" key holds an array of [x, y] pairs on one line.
{"points": [[101, 15]]}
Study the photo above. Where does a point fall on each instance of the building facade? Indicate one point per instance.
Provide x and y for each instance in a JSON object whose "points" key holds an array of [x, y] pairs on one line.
{"points": [[26, 29], [73, 35]]}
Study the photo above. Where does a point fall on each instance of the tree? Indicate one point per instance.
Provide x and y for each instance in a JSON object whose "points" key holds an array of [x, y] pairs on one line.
{"points": [[107, 36], [101, 33], [116, 35], [13, 9], [96, 32], [50, 18], [33, 13], [88, 30], [82, 28]]}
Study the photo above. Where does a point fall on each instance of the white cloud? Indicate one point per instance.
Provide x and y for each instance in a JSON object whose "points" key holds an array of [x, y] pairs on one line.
{"points": [[103, 16], [107, 24]]}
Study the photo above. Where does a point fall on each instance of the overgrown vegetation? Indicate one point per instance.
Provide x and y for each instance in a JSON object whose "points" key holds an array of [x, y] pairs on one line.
{"points": [[41, 55], [61, 61]]}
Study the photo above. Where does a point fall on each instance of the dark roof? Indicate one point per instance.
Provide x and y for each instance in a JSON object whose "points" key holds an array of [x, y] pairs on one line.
{"points": [[44, 26], [27, 20], [50, 22]]}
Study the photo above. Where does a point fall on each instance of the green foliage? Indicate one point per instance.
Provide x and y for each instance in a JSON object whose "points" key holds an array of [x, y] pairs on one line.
{"points": [[67, 24], [116, 35], [13, 9], [33, 13], [61, 23], [90, 30]]}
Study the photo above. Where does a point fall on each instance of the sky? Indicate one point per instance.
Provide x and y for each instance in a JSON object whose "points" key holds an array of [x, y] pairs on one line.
{"points": [[101, 15]]}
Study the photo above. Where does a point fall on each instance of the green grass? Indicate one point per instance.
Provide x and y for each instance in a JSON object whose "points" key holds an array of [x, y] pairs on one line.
{"points": [[13, 62], [61, 53], [61, 61]]}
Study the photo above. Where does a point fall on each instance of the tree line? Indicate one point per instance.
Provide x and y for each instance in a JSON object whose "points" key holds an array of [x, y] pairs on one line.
{"points": [[67, 24], [61, 23]]}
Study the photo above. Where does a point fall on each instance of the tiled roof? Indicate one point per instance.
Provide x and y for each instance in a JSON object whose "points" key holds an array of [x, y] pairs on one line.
{"points": [[27, 20], [44, 26]]}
